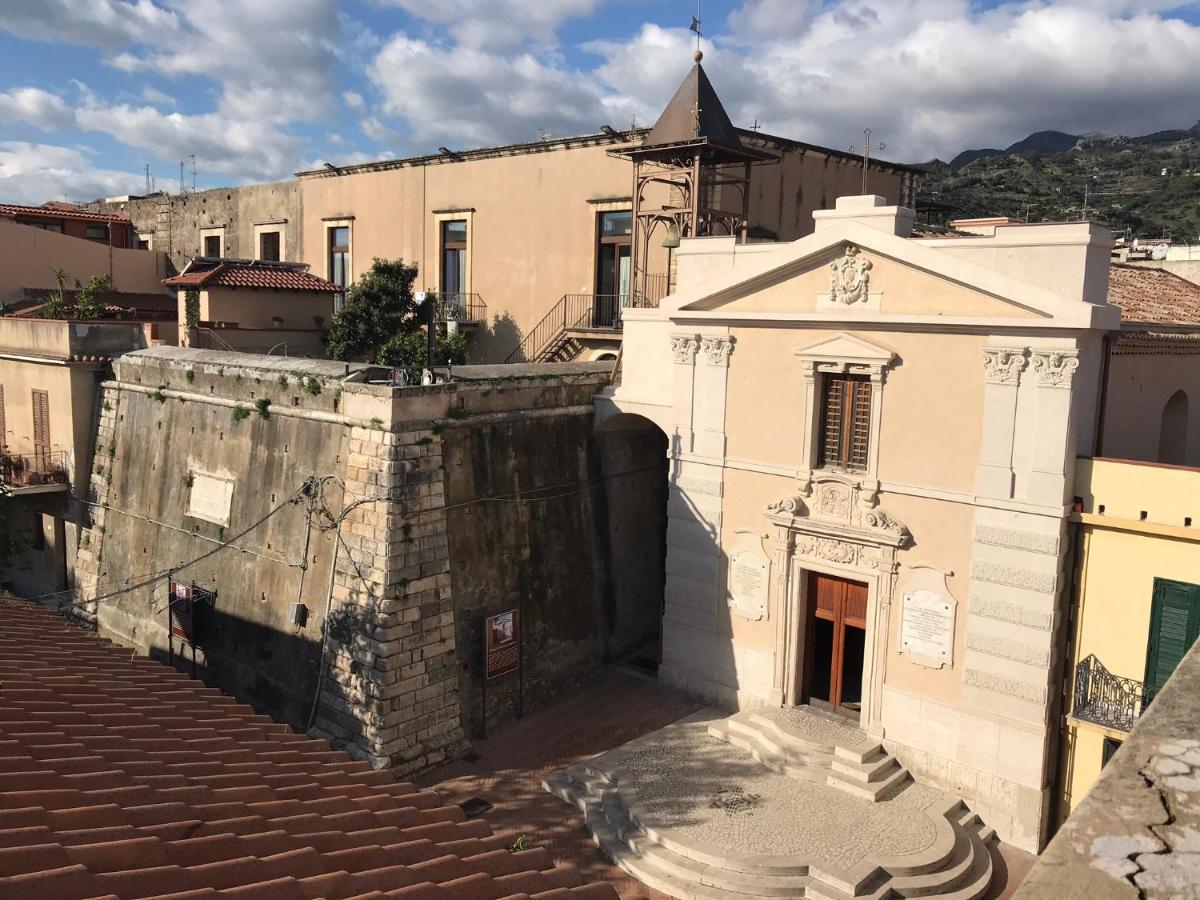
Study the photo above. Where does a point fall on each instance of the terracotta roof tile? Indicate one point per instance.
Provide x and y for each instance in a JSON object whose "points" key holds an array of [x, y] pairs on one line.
{"points": [[246, 274], [122, 778], [13, 210], [1153, 296]]}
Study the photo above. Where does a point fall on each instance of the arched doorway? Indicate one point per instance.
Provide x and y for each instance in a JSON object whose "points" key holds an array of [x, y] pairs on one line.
{"points": [[1172, 435], [633, 459]]}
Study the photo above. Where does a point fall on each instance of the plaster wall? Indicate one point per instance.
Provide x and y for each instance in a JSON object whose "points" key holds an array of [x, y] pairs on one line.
{"points": [[27, 256], [1139, 386], [250, 308]]}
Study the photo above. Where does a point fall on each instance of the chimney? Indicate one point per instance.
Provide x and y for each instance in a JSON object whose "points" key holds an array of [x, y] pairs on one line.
{"points": [[867, 210]]}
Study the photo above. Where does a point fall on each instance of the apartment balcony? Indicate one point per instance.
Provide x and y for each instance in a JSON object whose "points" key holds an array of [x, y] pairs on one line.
{"points": [[1105, 699], [41, 473], [465, 309]]}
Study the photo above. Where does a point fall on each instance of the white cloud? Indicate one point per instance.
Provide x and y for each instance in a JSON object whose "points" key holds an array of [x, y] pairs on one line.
{"points": [[37, 107], [353, 99], [99, 23], [34, 173], [499, 23]]}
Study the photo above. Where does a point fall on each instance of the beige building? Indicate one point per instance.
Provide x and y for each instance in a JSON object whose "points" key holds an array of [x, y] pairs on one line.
{"points": [[50, 373], [253, 306], [531, 240], [872, 442]]}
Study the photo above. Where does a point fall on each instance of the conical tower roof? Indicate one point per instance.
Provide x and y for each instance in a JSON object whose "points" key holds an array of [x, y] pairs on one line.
{"points": [[694, 113]]}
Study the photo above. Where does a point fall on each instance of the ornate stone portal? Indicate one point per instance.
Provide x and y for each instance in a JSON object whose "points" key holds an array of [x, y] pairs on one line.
{"points": [[834, 524]]}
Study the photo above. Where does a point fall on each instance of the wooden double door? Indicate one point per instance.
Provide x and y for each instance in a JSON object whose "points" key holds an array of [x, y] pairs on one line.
{"points": [[834, 642]]}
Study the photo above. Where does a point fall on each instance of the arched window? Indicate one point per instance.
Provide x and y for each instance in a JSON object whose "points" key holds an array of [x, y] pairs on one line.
{"points": [[1172, 436]]}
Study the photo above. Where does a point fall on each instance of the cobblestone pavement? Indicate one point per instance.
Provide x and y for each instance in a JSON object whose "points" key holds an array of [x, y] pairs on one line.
{"points": [[613, 709]]}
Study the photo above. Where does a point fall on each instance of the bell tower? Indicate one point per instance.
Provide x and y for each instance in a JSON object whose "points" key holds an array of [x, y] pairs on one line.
{"points": [[694, 162]]}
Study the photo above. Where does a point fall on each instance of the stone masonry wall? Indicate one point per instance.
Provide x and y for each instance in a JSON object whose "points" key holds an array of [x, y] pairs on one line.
{"points": [[392, 691]]}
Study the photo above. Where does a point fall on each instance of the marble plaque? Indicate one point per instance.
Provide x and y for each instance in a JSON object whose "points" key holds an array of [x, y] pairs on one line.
{"points": [[210, 498], [927, 628], [749, 583]]}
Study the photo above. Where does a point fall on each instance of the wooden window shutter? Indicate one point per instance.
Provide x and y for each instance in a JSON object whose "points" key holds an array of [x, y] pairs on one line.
{"points": [[1174, 625], [845, 437], [41, 423]]}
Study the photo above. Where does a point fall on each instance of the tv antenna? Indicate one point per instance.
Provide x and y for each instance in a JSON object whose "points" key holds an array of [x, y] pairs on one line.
{"points": [[866, 149], [193, 158], [148, 178]]}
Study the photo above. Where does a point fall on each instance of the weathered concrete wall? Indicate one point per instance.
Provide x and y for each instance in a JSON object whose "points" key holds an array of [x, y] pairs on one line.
{"points": [[172, 222], [396, 548]]}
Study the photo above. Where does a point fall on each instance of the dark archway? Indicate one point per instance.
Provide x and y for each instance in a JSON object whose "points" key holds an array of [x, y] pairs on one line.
{"points": [[633, 459], [1173, 432]]}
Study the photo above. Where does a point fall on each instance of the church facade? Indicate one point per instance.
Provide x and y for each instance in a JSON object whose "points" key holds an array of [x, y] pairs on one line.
{"points": [[872, 438]]}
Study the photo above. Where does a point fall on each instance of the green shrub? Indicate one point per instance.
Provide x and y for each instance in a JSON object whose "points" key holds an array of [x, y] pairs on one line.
{"points": [[263, 405], [239, 413]]}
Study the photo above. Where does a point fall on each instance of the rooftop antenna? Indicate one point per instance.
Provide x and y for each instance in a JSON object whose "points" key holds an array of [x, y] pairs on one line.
{"points": [[148, 178], [182, 185], [543, 134], [866, 149], [755, 126], [193, 158]]}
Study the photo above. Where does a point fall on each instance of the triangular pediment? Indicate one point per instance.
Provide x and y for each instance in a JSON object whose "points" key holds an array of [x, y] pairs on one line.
{"points": [[908, 281], [847, 348]]}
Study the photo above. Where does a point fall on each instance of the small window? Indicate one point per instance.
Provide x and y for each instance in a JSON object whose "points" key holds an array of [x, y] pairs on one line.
{"points": [[212, 245], [1110, 747], [143, 244], [56, 227], [454, 258], [268, 246], [94, 232], [339, 255], [616, 224], [845, 422]]}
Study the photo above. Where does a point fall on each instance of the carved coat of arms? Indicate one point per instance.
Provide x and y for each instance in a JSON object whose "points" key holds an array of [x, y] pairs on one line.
{"points": [[850, 276]]}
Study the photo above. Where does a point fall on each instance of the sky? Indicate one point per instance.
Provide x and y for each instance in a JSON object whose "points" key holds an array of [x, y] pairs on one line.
{"points": [[91, 91]]}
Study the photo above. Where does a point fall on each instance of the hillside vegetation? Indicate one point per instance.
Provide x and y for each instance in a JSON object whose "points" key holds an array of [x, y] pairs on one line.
{"points": [[1146, 186]]}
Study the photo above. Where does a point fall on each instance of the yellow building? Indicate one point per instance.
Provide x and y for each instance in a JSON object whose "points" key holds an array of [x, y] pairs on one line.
{"points": [[1138, 605]]}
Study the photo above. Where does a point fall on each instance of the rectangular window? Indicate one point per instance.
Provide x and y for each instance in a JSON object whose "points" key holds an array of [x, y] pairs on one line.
{"points": [[1109, 747], [1174, 627], [454, 259], [268, 246], [845, 422], [56, 227], [212, 245], [143, 244], [41, 426], [339, 255], [95, 232]]}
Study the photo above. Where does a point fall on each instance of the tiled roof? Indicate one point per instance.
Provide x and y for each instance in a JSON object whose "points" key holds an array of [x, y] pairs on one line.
{"points": [[12, 210], [251, 274], [1153, 296], [124, 304], [121, 777]]}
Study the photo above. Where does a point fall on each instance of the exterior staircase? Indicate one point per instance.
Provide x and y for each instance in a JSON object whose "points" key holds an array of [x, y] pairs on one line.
{"points": [[836, 755], [802, 744], [556, 337]]}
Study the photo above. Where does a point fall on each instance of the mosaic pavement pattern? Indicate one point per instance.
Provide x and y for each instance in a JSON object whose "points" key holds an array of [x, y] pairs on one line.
{"points": [[756, 805]]}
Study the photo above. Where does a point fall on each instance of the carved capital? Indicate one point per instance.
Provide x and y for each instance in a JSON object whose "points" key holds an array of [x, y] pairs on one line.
{"points": [[1003, 365], [1055, 368], [684, 348], [717, 350], [849, 278]]}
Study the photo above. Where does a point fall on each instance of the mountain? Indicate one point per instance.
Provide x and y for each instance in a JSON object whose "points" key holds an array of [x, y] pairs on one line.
{"points": [[1146, 186], [1038, 142]]}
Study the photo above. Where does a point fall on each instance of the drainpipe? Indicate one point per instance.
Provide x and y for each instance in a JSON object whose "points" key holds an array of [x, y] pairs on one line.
{"points": [[1102, 405]]}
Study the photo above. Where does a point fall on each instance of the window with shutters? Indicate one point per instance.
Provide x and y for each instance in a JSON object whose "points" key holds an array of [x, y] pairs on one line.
{"points": [[41, 424], [1174, 626], [845, 422]]}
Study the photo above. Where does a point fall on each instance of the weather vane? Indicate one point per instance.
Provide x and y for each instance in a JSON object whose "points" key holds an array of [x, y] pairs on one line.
{"points": [[695, 26]]}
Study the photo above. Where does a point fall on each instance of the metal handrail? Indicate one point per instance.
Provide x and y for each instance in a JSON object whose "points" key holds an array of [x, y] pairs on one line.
{"points": [[657, 287], [571, 311], [220, 340], [1106, 699], [460, 307], [25, 470]]}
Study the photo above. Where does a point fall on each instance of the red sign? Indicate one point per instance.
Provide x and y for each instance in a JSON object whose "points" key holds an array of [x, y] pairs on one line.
{"points": [[503, 643], [181, 610]]}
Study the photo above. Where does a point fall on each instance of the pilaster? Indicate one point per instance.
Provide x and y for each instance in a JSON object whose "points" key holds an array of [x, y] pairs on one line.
{"points": [[1002, 367], [1055, 370], [684, 348]]}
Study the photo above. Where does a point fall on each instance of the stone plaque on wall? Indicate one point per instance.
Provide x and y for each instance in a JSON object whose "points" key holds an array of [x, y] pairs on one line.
{"points": [[210, 498], [749, 579], [927, 628]]}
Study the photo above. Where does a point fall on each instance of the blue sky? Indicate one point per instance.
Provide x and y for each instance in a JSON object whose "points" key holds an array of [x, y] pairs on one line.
{"points": [[92, 90]]}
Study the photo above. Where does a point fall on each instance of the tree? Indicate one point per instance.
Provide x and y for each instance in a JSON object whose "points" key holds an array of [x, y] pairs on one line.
{"points": [[89, 303], [55, 303], [379, 307], [411, 351]]}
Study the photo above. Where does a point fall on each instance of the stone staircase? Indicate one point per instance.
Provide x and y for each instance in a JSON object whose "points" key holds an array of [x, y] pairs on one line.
{"points": [[956, 864], [808, 744]]}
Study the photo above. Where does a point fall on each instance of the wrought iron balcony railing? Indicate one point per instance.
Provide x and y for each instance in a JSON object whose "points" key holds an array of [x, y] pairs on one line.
{"points": [[461, 308], [21, 471], [589, 311], [1106, 699]]}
